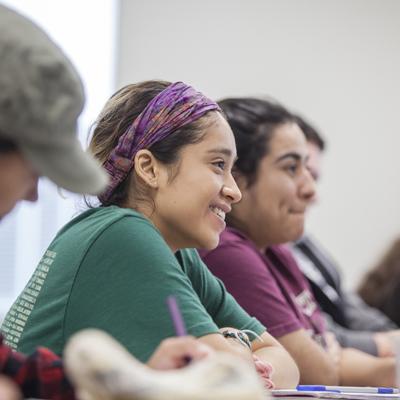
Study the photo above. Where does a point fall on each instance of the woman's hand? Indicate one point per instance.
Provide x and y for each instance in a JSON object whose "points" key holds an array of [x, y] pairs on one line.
{"points": [[265, 371]]}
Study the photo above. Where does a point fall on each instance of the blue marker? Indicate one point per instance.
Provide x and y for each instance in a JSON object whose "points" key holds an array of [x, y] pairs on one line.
{"points": [[347, 389]]}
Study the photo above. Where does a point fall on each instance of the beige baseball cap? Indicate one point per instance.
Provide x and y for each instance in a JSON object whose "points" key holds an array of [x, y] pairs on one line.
{"points": [[41, 97]]}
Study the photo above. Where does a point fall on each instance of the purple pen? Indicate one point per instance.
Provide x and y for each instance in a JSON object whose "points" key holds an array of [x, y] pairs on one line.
{"points": [[177, 320], [176, 316]]}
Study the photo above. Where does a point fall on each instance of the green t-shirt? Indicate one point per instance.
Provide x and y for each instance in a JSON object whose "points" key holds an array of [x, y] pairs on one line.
{"points": [[111, 269]]}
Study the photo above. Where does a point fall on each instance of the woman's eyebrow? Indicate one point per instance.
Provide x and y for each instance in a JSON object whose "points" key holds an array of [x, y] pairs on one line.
{"points": [[221, 150], [294, 155], [225, 151]]}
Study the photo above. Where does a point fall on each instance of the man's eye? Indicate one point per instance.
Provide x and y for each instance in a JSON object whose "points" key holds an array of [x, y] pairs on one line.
{"points": [[291, 168]]}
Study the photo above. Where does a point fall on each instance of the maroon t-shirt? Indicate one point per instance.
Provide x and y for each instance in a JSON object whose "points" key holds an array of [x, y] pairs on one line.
{"points": [[268, 286]]}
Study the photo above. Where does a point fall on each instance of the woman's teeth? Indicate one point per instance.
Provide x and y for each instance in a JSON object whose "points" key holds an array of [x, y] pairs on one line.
{"points": [[218, 212]]}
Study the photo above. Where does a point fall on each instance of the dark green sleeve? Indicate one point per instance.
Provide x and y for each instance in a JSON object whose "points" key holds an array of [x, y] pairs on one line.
{"points": [[122, 286], [222, 307]]}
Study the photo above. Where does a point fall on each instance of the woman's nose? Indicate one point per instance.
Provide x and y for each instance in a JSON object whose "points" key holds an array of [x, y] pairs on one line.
{"points": [[231, 190]]}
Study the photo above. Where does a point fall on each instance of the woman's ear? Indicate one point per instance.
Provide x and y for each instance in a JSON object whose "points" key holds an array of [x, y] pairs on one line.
{"points": [[147, 168]]}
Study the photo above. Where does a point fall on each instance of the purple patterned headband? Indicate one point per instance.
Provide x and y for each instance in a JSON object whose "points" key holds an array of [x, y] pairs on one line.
{"points": [[176, 106]]}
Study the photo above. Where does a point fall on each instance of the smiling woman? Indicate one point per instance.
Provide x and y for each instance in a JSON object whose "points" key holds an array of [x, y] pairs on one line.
{"points": [[204, 167], [157, 179], [169, 153]]}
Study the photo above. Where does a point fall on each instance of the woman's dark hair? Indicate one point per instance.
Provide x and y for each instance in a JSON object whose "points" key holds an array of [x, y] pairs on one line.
{"points": [[253, 122], [7, 146], [380, 287], [119, 113]]}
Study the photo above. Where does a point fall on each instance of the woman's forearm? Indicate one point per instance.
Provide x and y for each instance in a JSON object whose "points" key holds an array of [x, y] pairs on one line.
{"points": [[362, 369]]}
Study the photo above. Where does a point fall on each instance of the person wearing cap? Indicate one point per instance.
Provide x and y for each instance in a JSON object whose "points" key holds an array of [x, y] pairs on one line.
{"points": [[41, 97]]}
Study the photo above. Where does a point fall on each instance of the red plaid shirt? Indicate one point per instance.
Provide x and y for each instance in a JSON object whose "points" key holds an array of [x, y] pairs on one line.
{"points": [[40, 375]]}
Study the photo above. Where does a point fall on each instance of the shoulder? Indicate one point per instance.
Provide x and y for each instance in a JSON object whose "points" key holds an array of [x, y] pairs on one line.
{"points": [[100, 218], [231, 240], [232, 236], [115, 234], [234, 256], [123, 224]]}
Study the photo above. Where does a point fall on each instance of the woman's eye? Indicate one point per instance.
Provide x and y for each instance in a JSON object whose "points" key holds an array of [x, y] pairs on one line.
{"points": [[220, 164]]}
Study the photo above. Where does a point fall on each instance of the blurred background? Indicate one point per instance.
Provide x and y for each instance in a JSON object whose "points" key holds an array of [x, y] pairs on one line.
{"points": [[336, 62]]}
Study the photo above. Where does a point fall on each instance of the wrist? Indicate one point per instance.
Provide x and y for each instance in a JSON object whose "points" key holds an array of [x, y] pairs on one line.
{"points": [[238, 336]]}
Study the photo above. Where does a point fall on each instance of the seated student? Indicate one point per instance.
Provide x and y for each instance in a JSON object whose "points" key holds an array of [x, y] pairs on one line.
{"points": [[258, 269], [354, 323], [38, 116], [169, 153], [380, 287]]}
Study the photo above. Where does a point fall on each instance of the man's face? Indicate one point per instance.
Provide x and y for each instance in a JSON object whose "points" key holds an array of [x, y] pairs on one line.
{"points": [[18, 181]]}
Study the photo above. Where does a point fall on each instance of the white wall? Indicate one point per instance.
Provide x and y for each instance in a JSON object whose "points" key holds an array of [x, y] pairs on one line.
{"points": [[335, 61]]}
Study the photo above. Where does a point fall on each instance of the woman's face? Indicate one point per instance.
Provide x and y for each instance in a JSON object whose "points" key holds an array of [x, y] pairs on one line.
{"points": [[274, 206], [190, 209], [18, 181]]}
